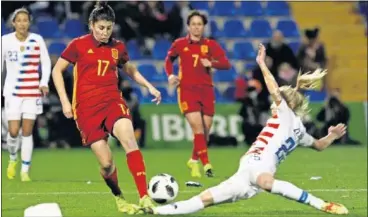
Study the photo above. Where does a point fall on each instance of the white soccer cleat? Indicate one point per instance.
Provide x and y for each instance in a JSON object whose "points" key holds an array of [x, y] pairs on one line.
{"points": [[335, 208]]}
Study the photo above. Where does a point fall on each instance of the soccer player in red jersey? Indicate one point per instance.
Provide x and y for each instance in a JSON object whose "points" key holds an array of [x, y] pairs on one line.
{"points": [[196, 97], [98, 107]]}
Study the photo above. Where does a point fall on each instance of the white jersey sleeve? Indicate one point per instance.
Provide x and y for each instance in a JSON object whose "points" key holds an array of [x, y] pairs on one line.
{"points": [[45, 63], [305, 139]]}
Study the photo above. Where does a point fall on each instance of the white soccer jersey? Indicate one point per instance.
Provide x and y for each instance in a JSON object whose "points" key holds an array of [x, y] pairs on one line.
{"points": [[22, 64], [281, 135]]}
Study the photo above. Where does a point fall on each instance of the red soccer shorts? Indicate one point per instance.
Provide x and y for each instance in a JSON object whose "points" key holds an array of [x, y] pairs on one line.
{"points": [[197, 98], [95, 123]]}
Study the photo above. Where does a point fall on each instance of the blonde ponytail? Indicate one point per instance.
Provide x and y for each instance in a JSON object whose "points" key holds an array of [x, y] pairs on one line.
{"points": [[311, 80], [307, 81]]}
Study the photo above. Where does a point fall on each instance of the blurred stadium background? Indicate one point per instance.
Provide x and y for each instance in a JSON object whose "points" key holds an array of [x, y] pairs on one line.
{"points": [[149, 27]]}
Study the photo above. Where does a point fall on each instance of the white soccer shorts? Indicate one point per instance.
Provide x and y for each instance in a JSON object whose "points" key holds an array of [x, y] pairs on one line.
{"points": [[26, 108]]}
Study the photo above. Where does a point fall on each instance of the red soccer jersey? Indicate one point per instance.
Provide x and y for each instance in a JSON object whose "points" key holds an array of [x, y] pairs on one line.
{"points": [[95, 70], [191, 70]]}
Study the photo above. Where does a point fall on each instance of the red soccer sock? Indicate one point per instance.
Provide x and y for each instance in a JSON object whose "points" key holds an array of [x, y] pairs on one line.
{"points": [[112, 182], [194, 153], [138, 171], [200, 146]]}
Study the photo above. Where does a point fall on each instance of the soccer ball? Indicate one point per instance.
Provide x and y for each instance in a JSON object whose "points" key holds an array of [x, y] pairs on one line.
{"points": [[163, 188]]}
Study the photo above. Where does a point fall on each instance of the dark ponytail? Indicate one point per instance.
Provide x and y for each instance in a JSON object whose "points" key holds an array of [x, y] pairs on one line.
{"points": [[102, 11]]}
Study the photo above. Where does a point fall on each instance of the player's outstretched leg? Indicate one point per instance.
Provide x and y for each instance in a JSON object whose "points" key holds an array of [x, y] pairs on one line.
{"points": [[110, 175], [123, 130], [231, 190], [290, 191]]}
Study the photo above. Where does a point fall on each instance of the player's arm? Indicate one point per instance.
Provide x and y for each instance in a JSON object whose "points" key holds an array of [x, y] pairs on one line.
{"points": [[334, 133], [68, 56], [45, 66], [171, 56], [133, 72], [272, 86], [219, 58], [57, 76], [130, 68]]}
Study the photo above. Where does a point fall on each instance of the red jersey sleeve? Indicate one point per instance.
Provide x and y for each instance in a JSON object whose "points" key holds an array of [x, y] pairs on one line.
{"points": [[123, 55], [172, 54], [70, 53], [219, 58], [173, 50]]}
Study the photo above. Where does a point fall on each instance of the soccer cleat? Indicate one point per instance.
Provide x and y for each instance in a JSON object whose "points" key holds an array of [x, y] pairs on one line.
{"points": [[148, 211], [24, 177], [194, 167], [335, 208], [11, 171], [125, 207], [208, 170], [146, 202]]}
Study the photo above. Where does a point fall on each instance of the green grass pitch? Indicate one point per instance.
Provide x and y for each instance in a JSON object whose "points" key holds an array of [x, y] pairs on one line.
{"points": [[71, 178]]}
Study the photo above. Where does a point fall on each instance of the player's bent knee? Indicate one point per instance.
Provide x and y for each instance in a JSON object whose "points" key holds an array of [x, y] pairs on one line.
{"points": [[265, 181], [13, 128], [207, 198], [107, 169], [13, 133]]}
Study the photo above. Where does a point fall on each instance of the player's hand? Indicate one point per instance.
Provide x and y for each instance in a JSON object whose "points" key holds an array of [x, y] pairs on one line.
{"points": [[206, 63], [174, 80], [261, 54], [44, 90], [154, 92], [67, 109], [338, 131]]}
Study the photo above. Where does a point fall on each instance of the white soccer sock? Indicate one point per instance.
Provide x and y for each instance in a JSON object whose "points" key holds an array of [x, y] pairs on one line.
{"points": [[290, 191], [182, 207], [13, 145], [26, 152]]}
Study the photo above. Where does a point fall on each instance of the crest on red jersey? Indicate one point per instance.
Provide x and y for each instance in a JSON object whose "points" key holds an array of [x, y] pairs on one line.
{"points": [[204, 49], [115, 53]]}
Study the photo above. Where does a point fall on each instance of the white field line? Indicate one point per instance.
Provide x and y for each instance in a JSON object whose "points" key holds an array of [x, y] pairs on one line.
{"points": [[131, 192]]}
